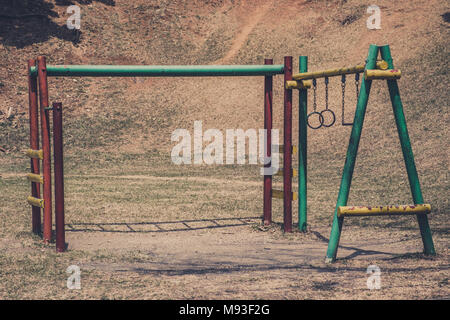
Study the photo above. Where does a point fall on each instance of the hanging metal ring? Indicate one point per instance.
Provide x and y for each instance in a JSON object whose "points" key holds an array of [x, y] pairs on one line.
{"points": [[321, 120]]}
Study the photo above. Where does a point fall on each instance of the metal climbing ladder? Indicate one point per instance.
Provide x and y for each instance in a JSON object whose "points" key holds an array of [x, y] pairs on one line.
{"points": [[38, 90]]}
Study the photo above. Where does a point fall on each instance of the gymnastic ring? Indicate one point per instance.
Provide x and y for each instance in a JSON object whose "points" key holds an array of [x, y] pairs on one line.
{"points": [[320, 120], [332, 122]]}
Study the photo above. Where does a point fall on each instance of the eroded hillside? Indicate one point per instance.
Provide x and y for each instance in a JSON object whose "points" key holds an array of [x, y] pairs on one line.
{"points": [[138, 114]]}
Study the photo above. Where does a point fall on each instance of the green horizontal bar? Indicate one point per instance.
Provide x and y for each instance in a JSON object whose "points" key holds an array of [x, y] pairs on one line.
{"points": [[160, 71]]}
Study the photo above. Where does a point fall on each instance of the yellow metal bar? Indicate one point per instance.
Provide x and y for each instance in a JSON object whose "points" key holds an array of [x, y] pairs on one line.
{"points": [[35, 178], [35, 154], [301, 84], [280, 172], [279, 194], [382, 74], [336, 72], [36, 202], [384, 210], [281, 149]]}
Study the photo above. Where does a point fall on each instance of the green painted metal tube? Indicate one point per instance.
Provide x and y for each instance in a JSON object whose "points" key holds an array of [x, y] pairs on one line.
{"points": [[350, 160], [408, 155], [160, 71], [302, 155]]}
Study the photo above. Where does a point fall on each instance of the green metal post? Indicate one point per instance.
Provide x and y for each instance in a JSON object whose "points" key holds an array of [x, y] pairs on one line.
{"points": [[350, 160], [302, 154], [408, 153]]}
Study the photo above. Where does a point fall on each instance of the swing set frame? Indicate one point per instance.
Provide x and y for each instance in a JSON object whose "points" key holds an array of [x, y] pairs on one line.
{"points": [[374, 69]]}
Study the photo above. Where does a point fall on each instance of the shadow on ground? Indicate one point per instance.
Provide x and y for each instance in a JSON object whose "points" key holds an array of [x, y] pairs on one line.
{"points": [[162, 226], [312, 237], [26, 22]]}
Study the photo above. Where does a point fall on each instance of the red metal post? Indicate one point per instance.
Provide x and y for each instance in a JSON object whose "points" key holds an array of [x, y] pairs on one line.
{"points": [[287, 156], [34, 144], [268, 94], [45, 137], [59, 176]]}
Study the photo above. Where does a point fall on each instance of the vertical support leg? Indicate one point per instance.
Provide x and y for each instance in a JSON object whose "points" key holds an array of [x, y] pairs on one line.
{"points": [[287, 157], [302, 154], [268, 84], [59, 176], [34, 144], [408, 155], [351, 157], [45, 135]]}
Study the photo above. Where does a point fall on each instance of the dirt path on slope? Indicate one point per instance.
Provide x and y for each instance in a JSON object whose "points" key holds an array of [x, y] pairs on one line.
{"points": [[247, 26]]}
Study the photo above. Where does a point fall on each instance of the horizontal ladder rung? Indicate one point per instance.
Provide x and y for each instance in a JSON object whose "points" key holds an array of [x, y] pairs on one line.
{"points": [[293, 148], [32, 177], [294, 173], [35, 154], [36, 202], [279, 194], [384, 210], [300, 84], [382, 74]]}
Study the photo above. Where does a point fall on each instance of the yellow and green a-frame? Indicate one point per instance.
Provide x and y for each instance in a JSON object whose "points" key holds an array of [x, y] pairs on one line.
{"points": [[418, 209]]}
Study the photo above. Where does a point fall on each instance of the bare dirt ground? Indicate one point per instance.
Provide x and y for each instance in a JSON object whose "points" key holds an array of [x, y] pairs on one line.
{"points": [[221, 262]]}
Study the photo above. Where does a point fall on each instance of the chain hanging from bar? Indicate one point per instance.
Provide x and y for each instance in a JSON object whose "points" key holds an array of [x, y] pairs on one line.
{"points": [[357, 85], [315, 93], [315, 109], [343, 97], [333, 116]]}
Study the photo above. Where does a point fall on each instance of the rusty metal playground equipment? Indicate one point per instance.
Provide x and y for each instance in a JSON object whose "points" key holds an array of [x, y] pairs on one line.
{"points": [[373, 69]]}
